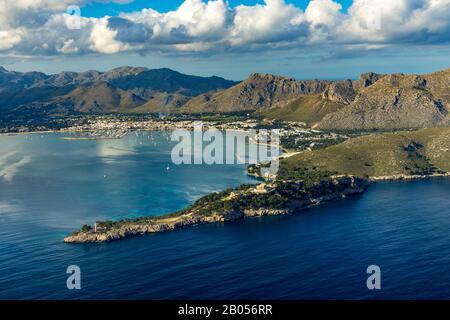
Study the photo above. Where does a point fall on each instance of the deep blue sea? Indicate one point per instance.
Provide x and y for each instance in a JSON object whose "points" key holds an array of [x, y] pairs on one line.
{"points": [[49, 187]]}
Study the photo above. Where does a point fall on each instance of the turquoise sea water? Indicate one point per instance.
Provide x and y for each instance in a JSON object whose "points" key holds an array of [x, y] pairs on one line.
{"points": [[49, 187]]}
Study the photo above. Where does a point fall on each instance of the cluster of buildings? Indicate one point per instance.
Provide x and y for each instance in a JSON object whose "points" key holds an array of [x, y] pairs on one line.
{"points": [[156, 125], [293, 135]]}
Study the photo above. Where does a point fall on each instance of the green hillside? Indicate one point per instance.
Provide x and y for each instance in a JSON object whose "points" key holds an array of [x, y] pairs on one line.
{"points": [[421, 152], [308, 109]]}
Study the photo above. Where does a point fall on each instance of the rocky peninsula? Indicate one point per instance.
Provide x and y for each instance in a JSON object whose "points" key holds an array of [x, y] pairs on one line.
{"points": [[305, 179], [265, 199]]}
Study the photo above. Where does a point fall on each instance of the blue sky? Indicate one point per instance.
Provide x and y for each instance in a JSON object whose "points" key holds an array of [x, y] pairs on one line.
{"points": [[99, 9], [304, 39]]}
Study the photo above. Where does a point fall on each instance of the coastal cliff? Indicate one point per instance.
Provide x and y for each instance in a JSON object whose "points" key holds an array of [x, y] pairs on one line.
{"points": [[266, 199]]}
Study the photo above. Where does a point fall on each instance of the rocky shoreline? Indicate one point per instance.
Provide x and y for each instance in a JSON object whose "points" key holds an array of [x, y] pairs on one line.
{"points": [[337, 188], [404, 177], [190, 219]]}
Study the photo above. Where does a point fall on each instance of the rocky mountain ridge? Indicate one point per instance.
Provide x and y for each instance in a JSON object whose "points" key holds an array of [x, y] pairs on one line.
{"points": [[373, 101], [396, 101], [119, 90]]}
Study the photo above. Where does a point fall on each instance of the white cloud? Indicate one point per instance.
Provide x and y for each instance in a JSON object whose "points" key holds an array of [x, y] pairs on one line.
{"points": [[69, 47], [396, 21], [323, 16], [9, 38], [198, 18], [274, 21], [40, 26], [323, 12], [103, 39], [31, 13]]}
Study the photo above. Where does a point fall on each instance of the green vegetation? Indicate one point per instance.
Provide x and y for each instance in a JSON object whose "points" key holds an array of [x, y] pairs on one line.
{"points": [[232, 203], [278, 195], [309, 175], [308, 109], [300, 142], [420, 152], [227, 117]]}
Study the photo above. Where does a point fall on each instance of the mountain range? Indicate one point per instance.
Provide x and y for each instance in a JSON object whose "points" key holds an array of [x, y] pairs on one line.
{"points": [[373, 101], [124, 89]]}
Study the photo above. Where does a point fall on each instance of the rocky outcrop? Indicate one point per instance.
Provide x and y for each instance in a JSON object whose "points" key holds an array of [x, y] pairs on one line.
{"points": [[340, 91], [366, 80], [311, 107], [132, 229], [256, 92], [395, 102], [399, 177], [264, 212], [374, 101]]}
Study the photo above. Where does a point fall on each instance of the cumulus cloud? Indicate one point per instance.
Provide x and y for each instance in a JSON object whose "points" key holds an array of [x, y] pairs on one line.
{"points": [[9, 38], [273, 22], [31, 13], [323, 16], [384, 21], [103, 39], [69, 46], [42, 26], [323, 13]]}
